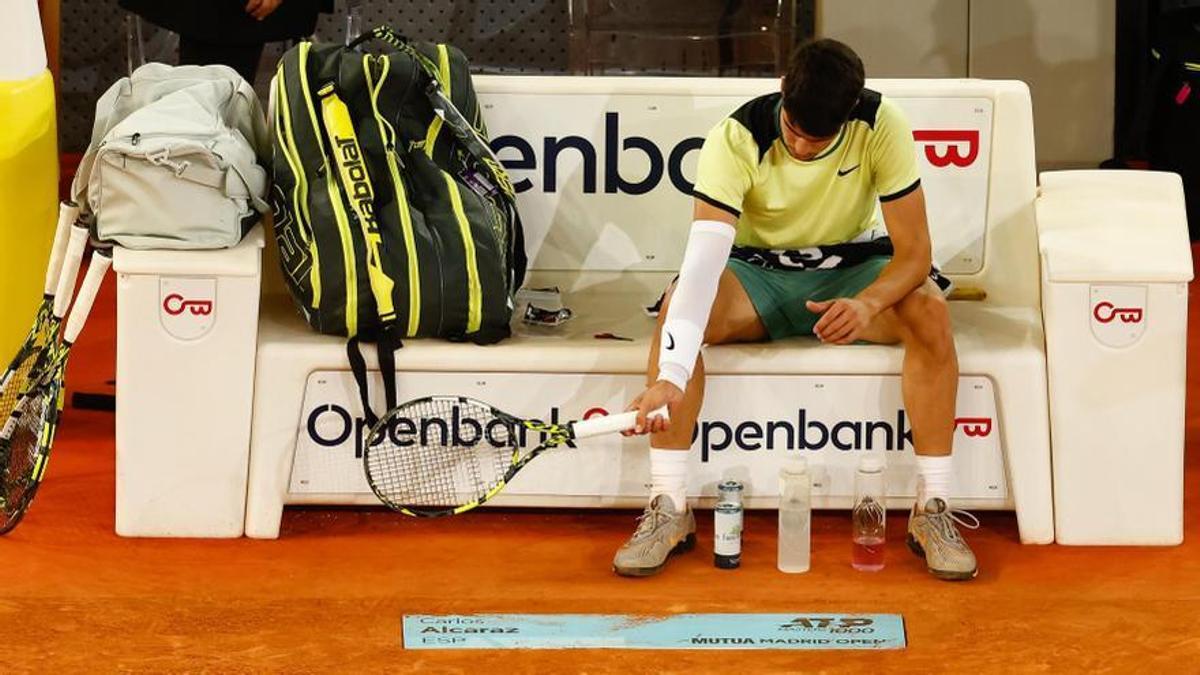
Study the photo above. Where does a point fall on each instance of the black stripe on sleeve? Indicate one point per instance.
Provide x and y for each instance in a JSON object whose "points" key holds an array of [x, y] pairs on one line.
{"points": [[709, 200], [897, 195]]}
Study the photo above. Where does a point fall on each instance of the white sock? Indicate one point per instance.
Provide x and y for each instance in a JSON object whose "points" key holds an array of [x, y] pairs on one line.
{"points": [[668, 476], [934, 475]]}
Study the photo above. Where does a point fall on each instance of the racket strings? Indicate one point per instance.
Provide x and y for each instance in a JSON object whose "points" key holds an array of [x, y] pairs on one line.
{"points": [[441, 451], [20, 451], [16, 384]]}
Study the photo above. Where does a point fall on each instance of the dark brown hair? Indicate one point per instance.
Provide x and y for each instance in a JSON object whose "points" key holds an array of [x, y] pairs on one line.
{"points": [[823, 81]]}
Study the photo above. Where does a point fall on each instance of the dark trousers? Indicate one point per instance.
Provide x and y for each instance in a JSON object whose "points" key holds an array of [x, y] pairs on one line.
{"points": [[242, 58]]}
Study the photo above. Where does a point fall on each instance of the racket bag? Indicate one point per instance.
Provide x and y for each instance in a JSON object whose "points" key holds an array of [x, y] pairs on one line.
{"points": [[393, 217]]}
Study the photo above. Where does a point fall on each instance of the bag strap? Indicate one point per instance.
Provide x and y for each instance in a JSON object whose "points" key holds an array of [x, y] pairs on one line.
{"points": [[356, 184], [231, 182], [386, 348], [494, 181]]}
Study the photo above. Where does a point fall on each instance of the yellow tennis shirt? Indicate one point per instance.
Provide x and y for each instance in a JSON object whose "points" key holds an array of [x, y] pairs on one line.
{"points": [[785, 203]]}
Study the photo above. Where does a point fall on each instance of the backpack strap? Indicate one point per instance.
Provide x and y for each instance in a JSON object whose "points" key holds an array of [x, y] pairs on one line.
{"points": [[386, 347], [356, 185]]}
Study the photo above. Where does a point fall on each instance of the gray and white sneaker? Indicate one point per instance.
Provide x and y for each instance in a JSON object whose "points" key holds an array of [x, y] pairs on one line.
{"points": [[932, 535], [661, 531]]}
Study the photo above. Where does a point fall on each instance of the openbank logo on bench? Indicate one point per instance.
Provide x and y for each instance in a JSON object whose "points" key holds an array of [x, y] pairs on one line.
{"points": [[332, 425], [601, 172]]}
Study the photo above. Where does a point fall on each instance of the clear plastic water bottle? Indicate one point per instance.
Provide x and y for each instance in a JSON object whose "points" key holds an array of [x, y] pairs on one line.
{"points": [[869, 518], [795, 516]]}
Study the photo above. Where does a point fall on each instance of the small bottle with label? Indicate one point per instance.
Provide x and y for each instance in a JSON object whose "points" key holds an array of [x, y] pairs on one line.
{"points": [[728, 521], [730, 491], [795, 516]]}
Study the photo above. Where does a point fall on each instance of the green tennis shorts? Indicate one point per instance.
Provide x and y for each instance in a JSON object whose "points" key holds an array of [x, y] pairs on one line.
{"points": [[779, 295]]}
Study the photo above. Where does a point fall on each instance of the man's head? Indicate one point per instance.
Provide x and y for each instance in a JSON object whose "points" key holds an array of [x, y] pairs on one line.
{"points": [[823, 82]]}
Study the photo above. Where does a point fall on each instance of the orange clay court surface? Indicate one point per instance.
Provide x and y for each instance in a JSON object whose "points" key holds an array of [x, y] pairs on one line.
{"points": [[329, 594]]}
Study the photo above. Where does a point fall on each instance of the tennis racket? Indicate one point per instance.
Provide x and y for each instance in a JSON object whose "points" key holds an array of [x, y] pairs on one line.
{"points": [[445, 455], [30, 429], [15, 381]]}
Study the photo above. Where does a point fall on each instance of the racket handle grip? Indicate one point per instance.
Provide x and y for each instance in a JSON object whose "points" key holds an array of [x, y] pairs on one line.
{"points": [[70, 270], [611, 424], [67, 213], [87, 295]]}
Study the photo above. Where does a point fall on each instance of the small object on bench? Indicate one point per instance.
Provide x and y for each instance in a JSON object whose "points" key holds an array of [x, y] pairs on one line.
{"points": [[654, 309], [969, 294], [549, 297], [611, 336], [546, 317]]}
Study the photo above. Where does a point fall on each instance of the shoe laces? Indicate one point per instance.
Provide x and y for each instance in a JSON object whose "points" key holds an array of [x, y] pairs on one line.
{"points": [[649, 521], [945, 520]]}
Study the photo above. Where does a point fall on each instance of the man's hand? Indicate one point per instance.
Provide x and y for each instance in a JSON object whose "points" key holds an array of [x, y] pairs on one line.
{"points": [[261, 9], [654, 397], [843, 320]]}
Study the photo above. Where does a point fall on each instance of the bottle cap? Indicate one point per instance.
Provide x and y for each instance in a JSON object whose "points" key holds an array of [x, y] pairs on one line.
{"points": [[794, 467], [871, 464]]}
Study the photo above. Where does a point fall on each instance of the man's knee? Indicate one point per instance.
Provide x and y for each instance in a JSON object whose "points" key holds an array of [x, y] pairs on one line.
{"points": [[925, 317], [732, 318]]}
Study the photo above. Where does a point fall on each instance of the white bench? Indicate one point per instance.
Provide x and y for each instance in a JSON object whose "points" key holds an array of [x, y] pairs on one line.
{"points": [[578, 147], [611, 253]]}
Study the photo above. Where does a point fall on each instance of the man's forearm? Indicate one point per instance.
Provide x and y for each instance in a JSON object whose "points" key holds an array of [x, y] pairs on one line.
{"points": [[900, 277]]}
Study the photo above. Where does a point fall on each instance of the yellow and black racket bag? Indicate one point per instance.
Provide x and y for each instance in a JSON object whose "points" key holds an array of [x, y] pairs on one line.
{"points": [[393, 217]]}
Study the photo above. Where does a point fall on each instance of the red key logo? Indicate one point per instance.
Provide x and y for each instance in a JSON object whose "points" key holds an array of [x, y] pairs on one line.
{"points": [[1106, 312], [175, 304]]}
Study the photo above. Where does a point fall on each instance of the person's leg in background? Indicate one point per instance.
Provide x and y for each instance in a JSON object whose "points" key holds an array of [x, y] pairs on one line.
{"points": [[243, 58]]}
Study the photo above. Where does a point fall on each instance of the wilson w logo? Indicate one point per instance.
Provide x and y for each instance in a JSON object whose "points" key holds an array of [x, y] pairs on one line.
{"points": [[943, 146], [975, 427]]}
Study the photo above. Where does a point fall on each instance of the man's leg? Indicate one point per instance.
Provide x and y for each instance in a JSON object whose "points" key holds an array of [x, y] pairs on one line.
{"points": [[241, 57], [929, 382], [668, 525], [733, 319], [929, 378]]}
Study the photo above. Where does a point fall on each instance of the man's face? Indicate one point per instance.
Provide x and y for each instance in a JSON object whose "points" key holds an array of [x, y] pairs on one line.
{"points": [[800, 144]]}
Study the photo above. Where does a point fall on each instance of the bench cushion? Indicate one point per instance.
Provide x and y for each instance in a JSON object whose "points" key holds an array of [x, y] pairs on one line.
{"points": [[986, 336]]}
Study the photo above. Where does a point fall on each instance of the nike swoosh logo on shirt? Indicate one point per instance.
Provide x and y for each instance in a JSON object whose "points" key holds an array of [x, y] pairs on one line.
{"points": [[670, 342], [843, 172]]}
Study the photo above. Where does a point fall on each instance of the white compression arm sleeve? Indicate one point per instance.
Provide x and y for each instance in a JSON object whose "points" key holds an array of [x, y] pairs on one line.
{"points": [[704, 259]]}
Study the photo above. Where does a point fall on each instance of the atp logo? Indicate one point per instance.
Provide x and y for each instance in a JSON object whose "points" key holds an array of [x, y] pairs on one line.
{"points": [[945, 147], [1118, 314], [975, 427], [187, 306]]}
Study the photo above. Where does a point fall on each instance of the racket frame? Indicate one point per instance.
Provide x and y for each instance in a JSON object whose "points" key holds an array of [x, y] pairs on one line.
{"points": [[556, 435], [53, 382]]}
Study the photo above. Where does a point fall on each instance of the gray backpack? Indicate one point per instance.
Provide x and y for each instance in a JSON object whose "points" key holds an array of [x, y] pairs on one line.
{"points": [[175, 160]]}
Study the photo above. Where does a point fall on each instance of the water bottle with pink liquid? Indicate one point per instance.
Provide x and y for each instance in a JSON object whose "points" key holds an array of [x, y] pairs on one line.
{"points": [[869, 516]]}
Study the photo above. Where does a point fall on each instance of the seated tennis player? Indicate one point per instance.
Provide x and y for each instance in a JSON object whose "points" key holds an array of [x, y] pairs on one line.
{"points": [[782, 245]]}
